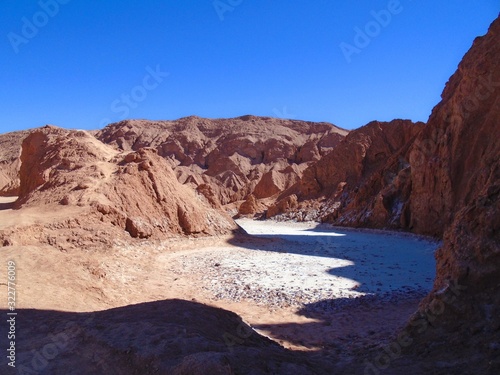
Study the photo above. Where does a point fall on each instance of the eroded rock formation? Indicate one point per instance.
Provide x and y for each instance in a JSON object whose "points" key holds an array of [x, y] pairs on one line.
{"points": [[362, 182], [456, 189], [107, 191], [235, 157], [10, 150]]}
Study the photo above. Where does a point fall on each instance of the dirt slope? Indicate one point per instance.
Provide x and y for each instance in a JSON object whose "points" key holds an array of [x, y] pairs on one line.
{"points": [[163, 337]]}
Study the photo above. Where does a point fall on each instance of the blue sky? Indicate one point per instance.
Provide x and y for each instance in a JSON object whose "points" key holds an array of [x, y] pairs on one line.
{"points": [[85, 63]]}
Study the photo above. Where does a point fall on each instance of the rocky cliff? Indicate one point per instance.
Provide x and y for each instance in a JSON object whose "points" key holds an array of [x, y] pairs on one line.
{"points": [[411, 176], [456, 189], [456, 155], [441, 179]]}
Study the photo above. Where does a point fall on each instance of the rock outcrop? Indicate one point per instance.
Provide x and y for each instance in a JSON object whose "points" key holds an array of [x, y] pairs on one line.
{"points": [[108, 191], [456, 155], [456, 189], [410, 176], [235, 157], [361, 154], [362, 182], [441, 179], [10, 150]]}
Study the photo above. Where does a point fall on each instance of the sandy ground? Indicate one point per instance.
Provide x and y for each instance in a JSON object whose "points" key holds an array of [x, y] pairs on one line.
{"points": [[29, 216], [305, 286]]}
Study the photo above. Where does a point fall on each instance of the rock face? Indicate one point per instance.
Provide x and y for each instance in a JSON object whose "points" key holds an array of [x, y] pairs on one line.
{"points": [[361, 182], [135, 192], [456, 188], [456, 156], [410, 176], [249, 207], [441, 179], [362, 153], [10, 150], [234, 157]]}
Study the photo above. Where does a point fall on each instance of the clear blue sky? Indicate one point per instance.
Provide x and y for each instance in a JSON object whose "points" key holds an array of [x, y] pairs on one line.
{"points": [[76, 64]]}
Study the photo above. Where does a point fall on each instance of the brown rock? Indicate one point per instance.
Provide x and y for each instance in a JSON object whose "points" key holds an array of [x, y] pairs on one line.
{"points": [[364, 179], [456, 180], [284, 205], [249, 207], [454, 157], [10, 150], [138, 228], [230, 155], [133, 192], [274, 182]]}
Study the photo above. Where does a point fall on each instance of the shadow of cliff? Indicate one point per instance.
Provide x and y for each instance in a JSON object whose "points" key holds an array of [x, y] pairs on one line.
{"points": [[6, 206], [162, 337], [347, 325]]}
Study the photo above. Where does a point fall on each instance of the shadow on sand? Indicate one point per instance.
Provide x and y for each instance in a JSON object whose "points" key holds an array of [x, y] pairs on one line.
{"points": [[162, 337], [6, 206]]}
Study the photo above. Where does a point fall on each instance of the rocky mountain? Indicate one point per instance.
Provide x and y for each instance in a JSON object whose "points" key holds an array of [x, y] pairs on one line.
{"points": [[228, 159], [161, 179]]}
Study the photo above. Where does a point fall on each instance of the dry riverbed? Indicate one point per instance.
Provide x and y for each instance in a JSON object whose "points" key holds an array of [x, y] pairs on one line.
{"points": [[307, 286]]}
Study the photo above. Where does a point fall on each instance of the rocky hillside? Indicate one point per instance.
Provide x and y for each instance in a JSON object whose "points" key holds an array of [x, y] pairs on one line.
{"points": [[104, 191], [228, 159], [362, 182]]}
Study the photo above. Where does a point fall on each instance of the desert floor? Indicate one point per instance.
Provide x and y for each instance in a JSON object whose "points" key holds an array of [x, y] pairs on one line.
{"points": [[309, 287]]}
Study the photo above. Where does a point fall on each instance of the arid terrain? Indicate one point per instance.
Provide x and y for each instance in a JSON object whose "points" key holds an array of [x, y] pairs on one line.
{"points": [[256, 245], [302, 298]]}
